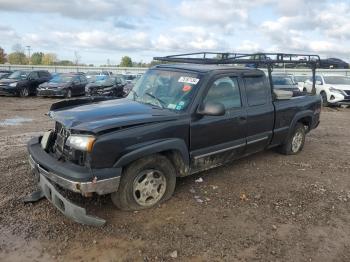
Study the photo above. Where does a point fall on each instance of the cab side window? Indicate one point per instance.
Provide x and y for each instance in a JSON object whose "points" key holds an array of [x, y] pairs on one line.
{"points": [[225, 90]]}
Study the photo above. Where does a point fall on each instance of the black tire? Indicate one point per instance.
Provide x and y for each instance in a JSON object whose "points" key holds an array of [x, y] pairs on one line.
{"points": [[305, 90], [24, 92], [69, 93], [324, 99], [289, 148], [125, 197]]}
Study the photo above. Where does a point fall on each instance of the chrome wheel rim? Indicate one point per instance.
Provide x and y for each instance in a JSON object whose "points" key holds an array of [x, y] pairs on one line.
{"points": [[149, 187], [297, 141]]}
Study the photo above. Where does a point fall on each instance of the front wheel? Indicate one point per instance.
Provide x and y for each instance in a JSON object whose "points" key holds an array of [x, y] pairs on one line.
{"points": [[145, 183], [24, 92], [295, 142]]}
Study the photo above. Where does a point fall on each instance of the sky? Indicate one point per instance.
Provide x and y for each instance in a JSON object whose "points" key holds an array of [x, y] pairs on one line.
{"points": [[101, 30]]}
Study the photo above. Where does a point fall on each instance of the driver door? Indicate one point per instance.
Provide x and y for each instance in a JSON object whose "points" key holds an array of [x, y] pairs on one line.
{"points": [[215, 140]]}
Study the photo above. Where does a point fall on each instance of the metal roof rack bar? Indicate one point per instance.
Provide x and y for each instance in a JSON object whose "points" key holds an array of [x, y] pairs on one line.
{"points": [[240, 58], [256, 59]]}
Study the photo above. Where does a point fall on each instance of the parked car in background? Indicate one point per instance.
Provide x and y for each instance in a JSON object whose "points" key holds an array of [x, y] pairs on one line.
{"points": [[130, 85], [5, 73], [300, 80], [285, 82], [23, 82], [110, 86], [333, 63], [93, 76], [334, 89], [129, 77], [65, 85]]}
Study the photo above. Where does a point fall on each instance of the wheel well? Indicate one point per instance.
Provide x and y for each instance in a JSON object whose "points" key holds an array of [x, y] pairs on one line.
{"points": [[176, 159], [306, 121]]}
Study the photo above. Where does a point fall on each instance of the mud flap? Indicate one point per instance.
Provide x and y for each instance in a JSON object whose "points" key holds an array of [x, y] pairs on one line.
{"points": [[70, 210]]}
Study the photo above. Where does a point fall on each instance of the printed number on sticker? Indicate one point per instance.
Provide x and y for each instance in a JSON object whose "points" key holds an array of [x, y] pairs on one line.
{"points": [[189, 80]]}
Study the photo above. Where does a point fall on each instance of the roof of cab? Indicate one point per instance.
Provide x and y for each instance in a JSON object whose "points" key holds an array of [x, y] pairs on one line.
{"points": [[204, 68]]}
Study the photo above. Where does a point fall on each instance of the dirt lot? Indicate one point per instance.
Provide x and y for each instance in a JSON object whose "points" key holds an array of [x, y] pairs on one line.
{"points": [[267, 207]]}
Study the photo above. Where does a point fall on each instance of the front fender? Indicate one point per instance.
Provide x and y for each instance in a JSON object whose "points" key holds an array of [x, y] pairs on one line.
{"points": [[157, 147]]}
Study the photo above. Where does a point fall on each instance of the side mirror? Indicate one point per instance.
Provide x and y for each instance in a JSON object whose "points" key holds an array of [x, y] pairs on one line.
{"points": [[212, 109], [318, 82]]}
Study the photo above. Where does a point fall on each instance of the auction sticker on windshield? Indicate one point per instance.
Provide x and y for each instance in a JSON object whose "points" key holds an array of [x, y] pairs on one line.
{"points": [[189, 80]]}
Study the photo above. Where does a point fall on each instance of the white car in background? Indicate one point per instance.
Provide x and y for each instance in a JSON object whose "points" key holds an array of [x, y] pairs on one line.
{"points": [[300, 80], [334, 89]]}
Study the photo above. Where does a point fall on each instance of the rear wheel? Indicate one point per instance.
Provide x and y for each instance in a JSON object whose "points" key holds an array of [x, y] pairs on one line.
{"points": [[145, 183], [295, 142], [324, 98], [24, 92]]}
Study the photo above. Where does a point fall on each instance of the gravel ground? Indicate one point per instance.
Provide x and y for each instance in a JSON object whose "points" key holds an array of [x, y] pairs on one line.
{"points": [[267, 207]]}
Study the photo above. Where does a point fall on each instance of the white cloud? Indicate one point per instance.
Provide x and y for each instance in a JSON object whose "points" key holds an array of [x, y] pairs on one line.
{"points": [[81, 9], [94, 40], [188, 38], [8, 34], [319, 26]]}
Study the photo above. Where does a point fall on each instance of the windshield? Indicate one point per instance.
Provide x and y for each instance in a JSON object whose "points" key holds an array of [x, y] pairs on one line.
{"points": [[337, 80], [301, 78], [165, 89], [282, 81], [18, 75], [61, 79]]}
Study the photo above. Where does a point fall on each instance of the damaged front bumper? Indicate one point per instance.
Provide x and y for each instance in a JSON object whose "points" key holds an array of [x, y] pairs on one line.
{"points": [[66, 207], [51, 172]]}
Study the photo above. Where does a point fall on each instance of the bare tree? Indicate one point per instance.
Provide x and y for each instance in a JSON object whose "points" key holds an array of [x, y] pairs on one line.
{"points": [[77, 57]]}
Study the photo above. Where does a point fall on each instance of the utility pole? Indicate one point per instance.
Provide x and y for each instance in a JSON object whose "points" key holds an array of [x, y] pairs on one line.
{"points": [[28, 49]]}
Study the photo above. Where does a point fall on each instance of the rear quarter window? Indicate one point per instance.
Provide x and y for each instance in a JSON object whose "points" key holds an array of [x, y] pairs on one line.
{"points": [[256, 90]]}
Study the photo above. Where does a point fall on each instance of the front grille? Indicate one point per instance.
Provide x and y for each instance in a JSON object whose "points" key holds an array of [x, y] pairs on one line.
{"points": [[62, 151], [61, 136]]}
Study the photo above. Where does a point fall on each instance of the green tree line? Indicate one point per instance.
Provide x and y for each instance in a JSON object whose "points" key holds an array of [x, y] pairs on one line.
{"points": [[18, 57]]}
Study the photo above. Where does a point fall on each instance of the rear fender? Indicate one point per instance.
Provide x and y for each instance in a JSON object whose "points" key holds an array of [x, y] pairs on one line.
{"points": [[298, 117]]}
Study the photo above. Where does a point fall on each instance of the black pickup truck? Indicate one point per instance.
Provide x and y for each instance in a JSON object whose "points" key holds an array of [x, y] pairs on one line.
{"points": [[179, 119]]}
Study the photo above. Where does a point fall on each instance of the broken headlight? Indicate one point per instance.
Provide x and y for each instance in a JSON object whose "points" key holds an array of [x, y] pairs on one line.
{"points": [[81, 142]]}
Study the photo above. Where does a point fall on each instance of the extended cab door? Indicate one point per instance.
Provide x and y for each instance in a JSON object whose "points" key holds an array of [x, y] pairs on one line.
{"points": [[260, 112], [215, 140]]}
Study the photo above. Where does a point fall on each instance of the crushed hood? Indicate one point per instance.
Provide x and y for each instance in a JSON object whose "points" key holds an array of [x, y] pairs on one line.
{"points": [[117, 113]]}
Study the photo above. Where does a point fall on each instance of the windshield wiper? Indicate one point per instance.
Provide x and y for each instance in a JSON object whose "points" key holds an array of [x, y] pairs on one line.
{"points": [[161, 102]]}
